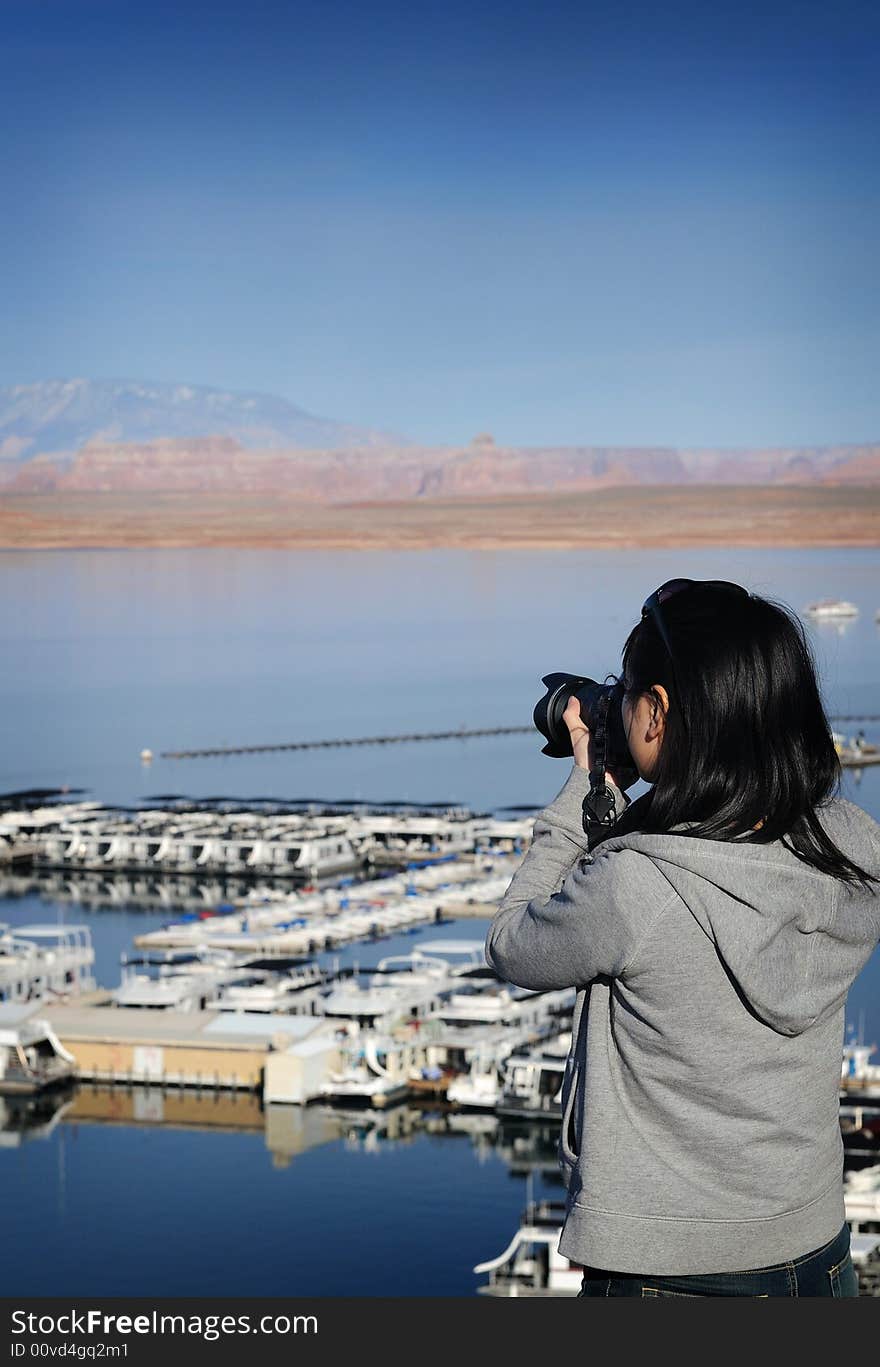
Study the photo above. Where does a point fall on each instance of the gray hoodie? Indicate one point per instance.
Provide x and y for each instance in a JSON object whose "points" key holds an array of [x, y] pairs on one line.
{"points": [[700, 1127]]}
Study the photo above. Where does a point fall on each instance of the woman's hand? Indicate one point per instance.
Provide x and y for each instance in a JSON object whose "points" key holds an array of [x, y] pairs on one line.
{"points": [[581, 741]]}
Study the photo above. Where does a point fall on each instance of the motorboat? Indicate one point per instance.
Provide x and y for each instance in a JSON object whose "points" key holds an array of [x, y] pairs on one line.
{"points": [[360, 1084]]}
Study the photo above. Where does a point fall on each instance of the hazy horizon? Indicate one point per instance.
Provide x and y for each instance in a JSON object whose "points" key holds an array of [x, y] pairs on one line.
{"points": [[385, 428]]}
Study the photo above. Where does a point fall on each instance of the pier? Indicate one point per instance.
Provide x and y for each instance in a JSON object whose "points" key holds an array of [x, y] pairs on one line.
{"points": [[462, 733]]}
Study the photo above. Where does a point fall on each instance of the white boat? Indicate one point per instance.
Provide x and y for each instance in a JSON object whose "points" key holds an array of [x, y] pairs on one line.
{"points": [[865, 1253], [181, 981], [167, 992], [480, 1089], [31, 1056], [294, 993], [532, 1265], [45, 962], [383, 1003], [857, 1072], [443, 954], [496, 1077], [499, 1003], [532, 1083], [831, 609], [359, 1084], [857, 752], [861, 1194]]}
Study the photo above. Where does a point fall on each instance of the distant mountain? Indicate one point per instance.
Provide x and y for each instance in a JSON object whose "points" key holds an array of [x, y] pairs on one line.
{"points": [[103, 436], [58, 417]]}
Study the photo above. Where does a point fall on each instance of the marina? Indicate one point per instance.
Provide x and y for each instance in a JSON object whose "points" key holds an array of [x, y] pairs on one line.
{"points": [[403, 1031], [232, 996], [211, 1091], [227, 1023], [250, 1016]]}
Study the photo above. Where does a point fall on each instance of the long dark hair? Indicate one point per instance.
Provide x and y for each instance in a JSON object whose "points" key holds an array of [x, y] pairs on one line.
{"points": [[746, 737]]}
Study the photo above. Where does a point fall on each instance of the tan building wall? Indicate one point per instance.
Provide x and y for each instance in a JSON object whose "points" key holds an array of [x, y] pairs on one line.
{"points": [[197, 1064]]}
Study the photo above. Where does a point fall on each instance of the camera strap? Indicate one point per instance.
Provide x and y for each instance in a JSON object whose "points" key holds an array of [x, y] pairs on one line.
{"points": [[599, 811]]}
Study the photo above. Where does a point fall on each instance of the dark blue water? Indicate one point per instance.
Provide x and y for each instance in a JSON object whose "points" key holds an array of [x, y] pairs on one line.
{"points": [[109, 652], [108, 1209]]}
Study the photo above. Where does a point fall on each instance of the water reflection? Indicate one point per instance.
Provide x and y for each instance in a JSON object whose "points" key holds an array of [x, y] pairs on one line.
{"points": [[526, 1146], [167, 893], [35, 1116]]}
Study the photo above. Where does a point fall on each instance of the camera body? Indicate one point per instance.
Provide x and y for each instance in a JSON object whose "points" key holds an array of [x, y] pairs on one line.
{"points": [[598, 703]]}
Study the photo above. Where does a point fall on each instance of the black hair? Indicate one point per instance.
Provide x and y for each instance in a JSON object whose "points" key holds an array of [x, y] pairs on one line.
{"points": [[746, 738]]}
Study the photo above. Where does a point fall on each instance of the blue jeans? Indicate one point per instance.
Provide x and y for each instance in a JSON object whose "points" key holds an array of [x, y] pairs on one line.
{"points": [[828, 1271]]}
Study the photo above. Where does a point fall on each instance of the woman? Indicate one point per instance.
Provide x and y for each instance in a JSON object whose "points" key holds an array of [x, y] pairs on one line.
{"points": [[713, 935]]}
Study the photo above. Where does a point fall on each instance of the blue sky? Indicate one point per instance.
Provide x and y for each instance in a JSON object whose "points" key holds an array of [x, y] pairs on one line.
{"points": [[560, 223]]}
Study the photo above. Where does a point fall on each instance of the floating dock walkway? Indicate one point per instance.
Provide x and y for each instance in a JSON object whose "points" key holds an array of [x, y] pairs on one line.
{"points": [[462, 733]]}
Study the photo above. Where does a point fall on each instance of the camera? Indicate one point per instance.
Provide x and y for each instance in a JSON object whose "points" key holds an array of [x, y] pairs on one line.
{"points": [[600, 713]]}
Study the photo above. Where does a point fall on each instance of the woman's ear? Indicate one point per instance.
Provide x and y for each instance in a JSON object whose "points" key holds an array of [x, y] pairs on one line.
{"points": [[663, 696], [659, 708]]}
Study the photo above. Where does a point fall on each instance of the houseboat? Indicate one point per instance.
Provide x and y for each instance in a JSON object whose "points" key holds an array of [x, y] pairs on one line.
{"points": [[31, 1056], [532, 1083], [831, 610], [45, 962], [177, 980]]}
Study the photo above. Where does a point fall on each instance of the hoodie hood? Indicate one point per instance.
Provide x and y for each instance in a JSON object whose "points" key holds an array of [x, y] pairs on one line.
{"points": [[791, 938]]}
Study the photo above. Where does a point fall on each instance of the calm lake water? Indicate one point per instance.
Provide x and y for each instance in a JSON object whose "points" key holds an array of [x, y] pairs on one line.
{"points": [[110, 652]]}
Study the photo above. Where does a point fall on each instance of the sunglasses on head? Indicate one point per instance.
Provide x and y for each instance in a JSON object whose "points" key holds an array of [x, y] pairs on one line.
{"points": [[652, 604]]}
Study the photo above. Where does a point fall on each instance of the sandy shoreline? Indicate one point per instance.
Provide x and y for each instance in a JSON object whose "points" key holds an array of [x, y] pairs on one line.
{"points": [[625, 518]]}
